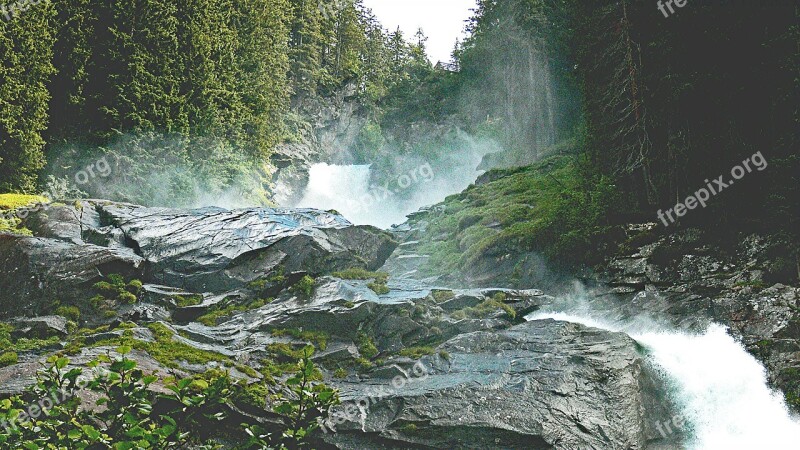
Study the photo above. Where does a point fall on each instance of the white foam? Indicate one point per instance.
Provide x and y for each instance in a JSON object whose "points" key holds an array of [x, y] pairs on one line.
{"points": [[721, 389]]}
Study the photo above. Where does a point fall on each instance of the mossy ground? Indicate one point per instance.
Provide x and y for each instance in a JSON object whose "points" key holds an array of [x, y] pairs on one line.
{"points": [[216, 314], [14, 201], [378, 285], [10, 202], [550, 207]]}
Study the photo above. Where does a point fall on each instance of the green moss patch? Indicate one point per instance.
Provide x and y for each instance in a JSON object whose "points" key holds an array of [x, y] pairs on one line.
{"points": [[486, 308], [227, 309], [553, 208], [317, 338]]}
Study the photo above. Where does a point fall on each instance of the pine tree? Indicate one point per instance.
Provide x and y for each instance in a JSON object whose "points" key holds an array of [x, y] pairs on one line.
{"points": [[26, 51]]}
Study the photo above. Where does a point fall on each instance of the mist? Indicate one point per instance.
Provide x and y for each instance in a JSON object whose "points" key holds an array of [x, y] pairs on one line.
{"points": [[720, 390], [158, 170], [383, 195]]}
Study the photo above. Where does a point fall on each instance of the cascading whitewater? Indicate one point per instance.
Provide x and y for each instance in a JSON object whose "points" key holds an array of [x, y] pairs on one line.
{"points": [[721, 389], [349, 190]]}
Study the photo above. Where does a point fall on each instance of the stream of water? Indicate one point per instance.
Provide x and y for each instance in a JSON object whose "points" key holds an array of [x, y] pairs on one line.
{"points": [[351, 191], [721, 389]]}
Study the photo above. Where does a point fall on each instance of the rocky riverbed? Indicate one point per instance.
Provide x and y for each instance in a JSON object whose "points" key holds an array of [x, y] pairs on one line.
{"points": [[418, 363], [486, 377]]}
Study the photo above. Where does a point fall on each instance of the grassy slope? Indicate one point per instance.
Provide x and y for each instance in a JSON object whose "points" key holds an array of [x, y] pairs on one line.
{"points": [[15, 201], [550, 208]]}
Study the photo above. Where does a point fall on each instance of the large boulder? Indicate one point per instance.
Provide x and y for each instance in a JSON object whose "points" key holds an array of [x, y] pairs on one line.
{"points": [[36, 272], [541, 385], [209, 250], [214, 250]]}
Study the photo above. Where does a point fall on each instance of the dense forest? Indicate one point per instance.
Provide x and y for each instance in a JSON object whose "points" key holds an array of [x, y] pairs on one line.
{"points": [[205, 85], [212, 86], [629, 247]]}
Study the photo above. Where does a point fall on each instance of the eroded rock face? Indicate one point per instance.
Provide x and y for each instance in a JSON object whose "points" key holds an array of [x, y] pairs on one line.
{"points": [[541, 384], [204, 250], [214, 250], [38, 271], [751, 287], [489, 379]]}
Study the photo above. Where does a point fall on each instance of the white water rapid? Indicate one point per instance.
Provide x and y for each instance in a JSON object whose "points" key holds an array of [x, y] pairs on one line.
{"points": [[721, 389], [349, 190]]}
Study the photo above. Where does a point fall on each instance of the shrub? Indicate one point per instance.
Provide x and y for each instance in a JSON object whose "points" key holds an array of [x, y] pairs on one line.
{"points": [[188, 416], [304, 287], [443, 296], [301, 411], [379, 288], [127, 419], [191, 300], [366, 346], [8, 359], [70, 312], [113, 291]]}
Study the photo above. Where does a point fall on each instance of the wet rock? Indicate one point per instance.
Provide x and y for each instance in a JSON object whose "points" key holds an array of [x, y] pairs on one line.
{"points": [[215, 250], [40, 327], [542, 384], [205, 250], [38, 270], [691, 280]]}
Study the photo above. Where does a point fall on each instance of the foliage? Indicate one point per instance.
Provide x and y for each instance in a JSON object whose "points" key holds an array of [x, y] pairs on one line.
{"points": [[14, 201], [662, 117], [441, 296], [378, 288], [228, 308], [549, 207], [8, 359], [114, 291], [128, 419], [302, 407], [487, 308], [366, 346], [417, 352], [70, 312], [22, 345], [10, 222], [26, 53], [132, 416], [305, 287], [186, 301]]}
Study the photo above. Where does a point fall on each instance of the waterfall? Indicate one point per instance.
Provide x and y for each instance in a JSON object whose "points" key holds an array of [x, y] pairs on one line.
{"points": [[721, 390], [350, 190]]}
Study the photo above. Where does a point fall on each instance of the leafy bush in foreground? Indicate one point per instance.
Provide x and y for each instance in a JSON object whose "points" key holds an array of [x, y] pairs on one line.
{"points": [[52, 416]]}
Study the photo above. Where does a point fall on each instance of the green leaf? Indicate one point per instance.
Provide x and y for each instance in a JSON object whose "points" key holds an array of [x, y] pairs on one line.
{"points": [[91, 432], [74, 434]]}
